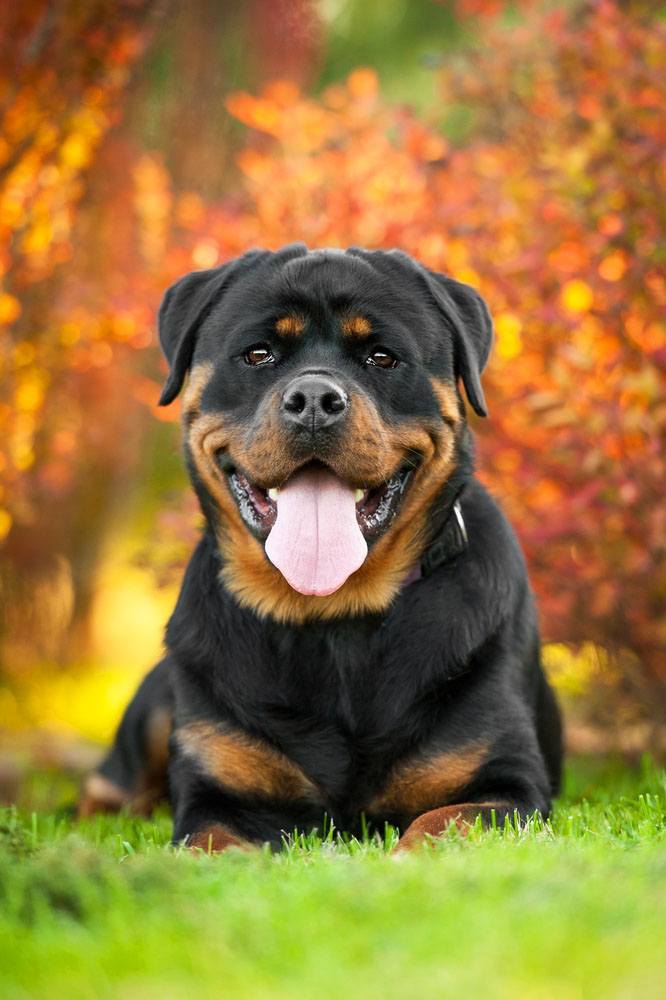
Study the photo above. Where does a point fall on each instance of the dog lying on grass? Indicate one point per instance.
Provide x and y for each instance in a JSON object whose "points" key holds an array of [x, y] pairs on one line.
{"points": [[355, 640]]}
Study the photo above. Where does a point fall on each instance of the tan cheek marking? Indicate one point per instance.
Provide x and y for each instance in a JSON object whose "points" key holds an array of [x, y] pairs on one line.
{"points": [[418, 785], [356, 326], [244, 764], [197, 380], [291, 325], [367, 455], [447, 399], [262, 450], [206, 436]]}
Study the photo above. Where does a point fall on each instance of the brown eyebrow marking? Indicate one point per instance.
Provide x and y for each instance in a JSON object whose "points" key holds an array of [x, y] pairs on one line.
{"points": [[291, 325], [244, 764], [356, 326]]}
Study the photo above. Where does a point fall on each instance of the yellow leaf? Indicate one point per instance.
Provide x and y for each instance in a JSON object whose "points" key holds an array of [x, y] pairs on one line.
{"points": [[10, 308], [23, 456], [29, 395], [38, 238], [469, 276], [577, 296], [509, 340], [5, 523], [75, 151]]}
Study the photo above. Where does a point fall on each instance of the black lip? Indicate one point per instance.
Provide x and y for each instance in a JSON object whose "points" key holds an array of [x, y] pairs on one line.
{"points": [[375, 511], [379, 506], [256, 507]]}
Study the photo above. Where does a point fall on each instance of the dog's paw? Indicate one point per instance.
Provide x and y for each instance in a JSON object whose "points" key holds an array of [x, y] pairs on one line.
{"points": [[430, 825], [215, 839]]}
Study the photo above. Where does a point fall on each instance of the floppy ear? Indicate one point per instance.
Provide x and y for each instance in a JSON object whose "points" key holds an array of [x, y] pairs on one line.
{"points": [[472, 327], [184, 308]]}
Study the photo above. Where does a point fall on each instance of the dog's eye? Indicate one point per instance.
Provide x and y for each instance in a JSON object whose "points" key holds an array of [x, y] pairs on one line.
{"points": [[259, 354], [381, 359]]}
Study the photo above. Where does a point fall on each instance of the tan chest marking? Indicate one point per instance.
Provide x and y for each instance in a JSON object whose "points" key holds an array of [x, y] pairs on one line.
{"points": [[425, 782], [243, 764]]}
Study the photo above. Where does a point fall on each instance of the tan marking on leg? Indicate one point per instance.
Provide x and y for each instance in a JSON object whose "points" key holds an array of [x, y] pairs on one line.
{"points": [[151, 788], [244, 764], [356, 326], [158, 731], [291, 325], [215, 839], [101, 795], [437, 821], [422, 783]]}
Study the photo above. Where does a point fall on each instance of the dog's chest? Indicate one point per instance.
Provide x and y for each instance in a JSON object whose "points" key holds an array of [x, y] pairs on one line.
{"points": [[337, 710]]}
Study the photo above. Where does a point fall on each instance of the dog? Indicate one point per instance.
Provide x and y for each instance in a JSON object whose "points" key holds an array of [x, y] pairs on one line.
{"points": [[355, 642]]}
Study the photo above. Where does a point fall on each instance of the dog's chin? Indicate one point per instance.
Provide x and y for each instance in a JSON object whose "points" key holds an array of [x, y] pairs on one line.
{"points": [[377, 506]]}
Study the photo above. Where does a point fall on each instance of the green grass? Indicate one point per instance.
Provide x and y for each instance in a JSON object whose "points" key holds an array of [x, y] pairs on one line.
{"points": [[575, 908]]}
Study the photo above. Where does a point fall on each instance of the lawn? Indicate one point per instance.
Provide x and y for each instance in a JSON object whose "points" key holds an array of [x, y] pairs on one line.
{"points": [[576, 908]]}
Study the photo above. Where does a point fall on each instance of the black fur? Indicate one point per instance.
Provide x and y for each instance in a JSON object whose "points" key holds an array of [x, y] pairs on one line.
{"points": [[455, 658]]}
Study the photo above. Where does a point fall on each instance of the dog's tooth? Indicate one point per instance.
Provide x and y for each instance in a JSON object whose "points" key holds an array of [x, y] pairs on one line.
{"points": [[358, 495], [273, 493]]}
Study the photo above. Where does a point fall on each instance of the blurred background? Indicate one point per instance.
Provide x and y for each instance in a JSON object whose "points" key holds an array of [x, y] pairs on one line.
{"points": [[518, 146]]}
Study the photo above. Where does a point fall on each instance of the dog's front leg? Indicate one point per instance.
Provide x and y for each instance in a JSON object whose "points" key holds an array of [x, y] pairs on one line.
{"points": [[211, 819], [204, 817], [232, 790]]}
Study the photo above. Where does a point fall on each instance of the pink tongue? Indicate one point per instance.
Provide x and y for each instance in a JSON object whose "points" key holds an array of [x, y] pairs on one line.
{"points": [[316, 542]]}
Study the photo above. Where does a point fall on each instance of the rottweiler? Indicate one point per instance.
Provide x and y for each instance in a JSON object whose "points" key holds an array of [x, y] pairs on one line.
{"points": [[355, 642]]}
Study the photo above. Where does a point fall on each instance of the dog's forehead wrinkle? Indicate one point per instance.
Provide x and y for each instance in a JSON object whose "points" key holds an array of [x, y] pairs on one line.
{"points": [[327, 274], [320, 285], [326, 307]]}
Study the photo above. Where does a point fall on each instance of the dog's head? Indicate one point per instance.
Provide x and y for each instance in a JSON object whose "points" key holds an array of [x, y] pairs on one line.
{"points": [[322, 417]]}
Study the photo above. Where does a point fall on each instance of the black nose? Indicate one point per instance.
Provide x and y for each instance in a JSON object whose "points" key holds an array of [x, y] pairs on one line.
{"points": [[313, 402]]}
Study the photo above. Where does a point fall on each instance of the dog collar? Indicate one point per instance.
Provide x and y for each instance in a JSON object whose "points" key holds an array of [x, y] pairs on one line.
{"points": [[451, 541]]}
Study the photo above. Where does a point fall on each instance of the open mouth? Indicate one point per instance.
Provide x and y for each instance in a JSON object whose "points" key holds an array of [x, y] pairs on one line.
{"points": [[376, 506], [316, 527]]}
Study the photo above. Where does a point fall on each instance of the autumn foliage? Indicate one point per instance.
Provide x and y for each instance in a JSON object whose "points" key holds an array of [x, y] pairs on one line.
{"points": [[548, 201]]}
